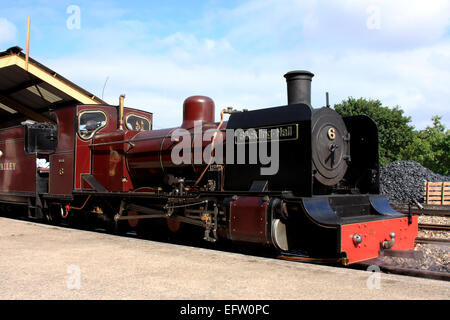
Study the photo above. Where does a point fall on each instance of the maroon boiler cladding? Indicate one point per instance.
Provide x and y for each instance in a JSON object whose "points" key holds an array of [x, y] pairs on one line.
{"points": [[149, 158]]}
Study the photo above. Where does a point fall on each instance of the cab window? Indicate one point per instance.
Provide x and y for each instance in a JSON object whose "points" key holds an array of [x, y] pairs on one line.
{"points": [[89, 122], [136, 122]]}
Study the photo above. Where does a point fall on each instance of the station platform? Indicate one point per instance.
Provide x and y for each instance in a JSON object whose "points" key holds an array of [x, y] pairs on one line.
{"points": [[39, 261]]}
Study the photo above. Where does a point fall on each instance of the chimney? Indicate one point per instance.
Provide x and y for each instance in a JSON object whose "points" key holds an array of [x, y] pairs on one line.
{"points": [[299, 86]]}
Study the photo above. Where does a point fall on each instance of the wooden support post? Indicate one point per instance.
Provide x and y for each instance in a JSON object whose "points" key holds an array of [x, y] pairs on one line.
{"points": [[28, 44]]}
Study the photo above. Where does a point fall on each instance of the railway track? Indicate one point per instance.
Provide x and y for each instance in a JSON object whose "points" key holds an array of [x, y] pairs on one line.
{"points": [[437, 241], [416, 273], [434, 227], [436, 275], [428, 210]]}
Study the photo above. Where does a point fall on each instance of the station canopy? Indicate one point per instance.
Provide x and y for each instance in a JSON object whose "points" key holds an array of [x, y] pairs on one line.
{"points": [[31, 90]]}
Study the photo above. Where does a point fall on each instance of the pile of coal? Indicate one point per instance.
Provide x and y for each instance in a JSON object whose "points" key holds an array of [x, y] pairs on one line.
{"points": [[403, 181]]}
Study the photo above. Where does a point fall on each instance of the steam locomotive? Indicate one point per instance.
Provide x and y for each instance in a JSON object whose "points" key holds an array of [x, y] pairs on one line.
{"points": [[313, 189]]}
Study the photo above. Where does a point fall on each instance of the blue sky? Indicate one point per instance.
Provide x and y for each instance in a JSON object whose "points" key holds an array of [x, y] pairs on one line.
{"points": [[160, 52]]}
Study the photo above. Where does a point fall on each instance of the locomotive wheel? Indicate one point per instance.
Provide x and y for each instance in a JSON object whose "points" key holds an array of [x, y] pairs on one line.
{"points": [[116, 227], [174, 225], [121, 228], [132, 223], [152, 229], [54, 214], [180, 230]]}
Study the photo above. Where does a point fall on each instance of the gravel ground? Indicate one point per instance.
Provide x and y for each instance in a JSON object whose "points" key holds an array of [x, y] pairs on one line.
{"points": [[433, 234], [434, 220], [435, 258]]}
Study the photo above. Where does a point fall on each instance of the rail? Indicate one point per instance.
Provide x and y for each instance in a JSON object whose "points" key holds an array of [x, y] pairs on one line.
{"points": [[437, 241], [434, 227], [419, 273], [428, 210]]}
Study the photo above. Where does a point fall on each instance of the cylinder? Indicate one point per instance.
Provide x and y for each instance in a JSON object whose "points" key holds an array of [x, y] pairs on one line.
{"points": [[299, 86]]}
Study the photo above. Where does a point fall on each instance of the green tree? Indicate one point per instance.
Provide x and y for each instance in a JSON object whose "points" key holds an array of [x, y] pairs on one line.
{"points": [[394, 131], [431, 147]]}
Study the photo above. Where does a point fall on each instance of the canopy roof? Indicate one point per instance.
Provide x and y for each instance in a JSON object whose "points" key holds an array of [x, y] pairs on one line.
{"points": [[30, 90]]}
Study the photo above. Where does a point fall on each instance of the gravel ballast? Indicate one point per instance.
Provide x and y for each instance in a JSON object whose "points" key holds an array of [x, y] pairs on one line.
{"points": [[434, 258]]}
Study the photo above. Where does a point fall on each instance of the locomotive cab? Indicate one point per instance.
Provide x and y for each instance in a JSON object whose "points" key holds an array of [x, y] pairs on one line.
{"points": [[42, 140]]}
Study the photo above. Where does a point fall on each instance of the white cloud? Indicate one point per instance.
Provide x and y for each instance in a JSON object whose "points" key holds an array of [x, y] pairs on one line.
{"points": [[403, 23], [410, 79], [160, 84], [407, 63], [7, 31]]}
